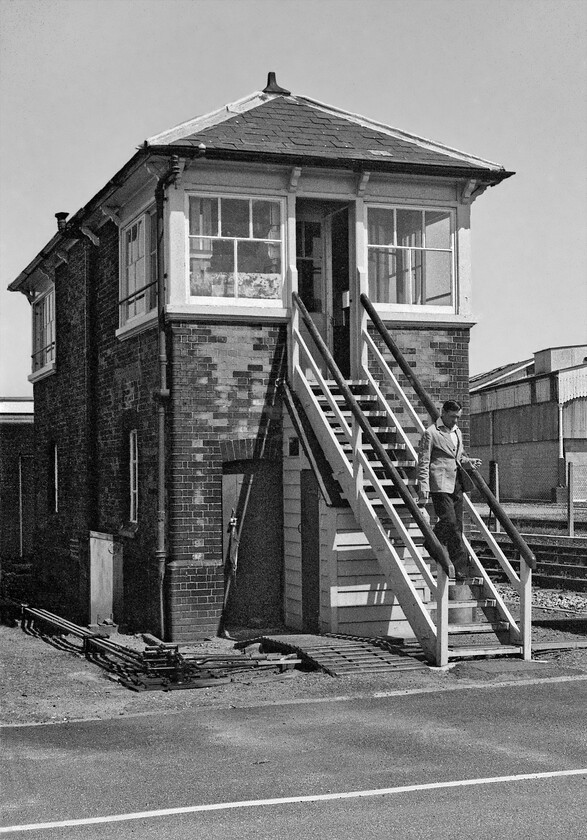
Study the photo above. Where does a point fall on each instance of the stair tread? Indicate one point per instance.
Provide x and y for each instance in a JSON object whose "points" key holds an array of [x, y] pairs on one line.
{"points": [[478, 627], [455, 651], [453, 605]]}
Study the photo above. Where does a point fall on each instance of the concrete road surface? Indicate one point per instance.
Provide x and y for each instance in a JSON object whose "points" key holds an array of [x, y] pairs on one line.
{"points": [[493, 762]]}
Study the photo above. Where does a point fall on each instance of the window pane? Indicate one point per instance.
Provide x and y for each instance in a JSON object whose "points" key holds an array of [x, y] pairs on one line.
{"points": [[212, 275], [387, 271], [234, 214], [266, 220], [259, 270], [438, 278], [437, 229], [409, 228], [380, 226], [203, 216]]}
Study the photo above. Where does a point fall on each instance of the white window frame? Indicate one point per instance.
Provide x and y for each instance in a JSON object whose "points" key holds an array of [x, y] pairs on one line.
{"points": [[131, 299], [410, 307], [44, 339], [133, 475], [239, 302]]}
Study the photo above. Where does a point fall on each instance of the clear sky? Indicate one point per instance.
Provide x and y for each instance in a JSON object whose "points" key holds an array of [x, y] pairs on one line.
{"points": [[83, 82]]}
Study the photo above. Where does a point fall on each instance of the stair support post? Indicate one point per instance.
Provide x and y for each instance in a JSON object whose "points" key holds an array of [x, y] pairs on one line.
{"points": [[441, 617], [526, 609]]}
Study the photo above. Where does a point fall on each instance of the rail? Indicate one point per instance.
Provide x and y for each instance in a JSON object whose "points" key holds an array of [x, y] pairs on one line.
{"points": [[525, 552], [433, 545]]}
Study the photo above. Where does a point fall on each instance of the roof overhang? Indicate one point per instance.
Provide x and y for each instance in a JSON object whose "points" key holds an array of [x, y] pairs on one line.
{"points": [[487, 176]]}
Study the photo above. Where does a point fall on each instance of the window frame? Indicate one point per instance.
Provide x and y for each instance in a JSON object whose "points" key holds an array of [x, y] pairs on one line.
{"points": [[149, 257], [234, 301], [411, 307], [46, 349], [133, 476]]}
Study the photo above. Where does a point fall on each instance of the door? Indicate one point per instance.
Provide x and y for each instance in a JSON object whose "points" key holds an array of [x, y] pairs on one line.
{"points": [[252, 492], [322, 260]]}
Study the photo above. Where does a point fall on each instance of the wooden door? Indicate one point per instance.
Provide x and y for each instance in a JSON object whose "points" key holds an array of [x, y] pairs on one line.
{"points": [[253, 490]]}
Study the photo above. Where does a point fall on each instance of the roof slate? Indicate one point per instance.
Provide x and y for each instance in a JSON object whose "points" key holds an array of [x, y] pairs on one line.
{"points": [[293, 125]]}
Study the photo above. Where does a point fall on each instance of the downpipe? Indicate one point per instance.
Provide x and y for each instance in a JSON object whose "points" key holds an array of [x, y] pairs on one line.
{"points": [[161, 552]]}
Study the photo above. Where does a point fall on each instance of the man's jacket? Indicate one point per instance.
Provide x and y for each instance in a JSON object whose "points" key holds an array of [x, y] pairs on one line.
{"points": [[438, 459]]}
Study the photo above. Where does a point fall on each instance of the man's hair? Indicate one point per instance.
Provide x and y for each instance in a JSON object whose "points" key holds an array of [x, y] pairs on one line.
{"points": [[451, 405]]}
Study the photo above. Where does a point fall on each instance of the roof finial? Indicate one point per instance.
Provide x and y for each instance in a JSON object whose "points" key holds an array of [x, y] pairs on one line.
{"points": [[273, 87]]}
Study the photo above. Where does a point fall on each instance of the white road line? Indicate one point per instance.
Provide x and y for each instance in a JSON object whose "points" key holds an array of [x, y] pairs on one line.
{"points": [[287, 800]]}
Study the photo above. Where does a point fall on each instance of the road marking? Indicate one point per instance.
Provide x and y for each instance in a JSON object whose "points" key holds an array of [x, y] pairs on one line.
{"points": [[288, 800]]}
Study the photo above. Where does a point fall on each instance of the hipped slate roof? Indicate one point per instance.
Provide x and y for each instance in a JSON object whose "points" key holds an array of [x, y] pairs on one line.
{"points": [[273, 126]]}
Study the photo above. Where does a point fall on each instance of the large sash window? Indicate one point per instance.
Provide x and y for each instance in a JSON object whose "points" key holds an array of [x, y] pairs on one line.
{"points": [[235, 248], [411, 256], [139, 268]]}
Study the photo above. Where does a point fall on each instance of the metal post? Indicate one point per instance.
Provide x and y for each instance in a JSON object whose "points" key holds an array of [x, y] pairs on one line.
{"points": [[570, 499]]}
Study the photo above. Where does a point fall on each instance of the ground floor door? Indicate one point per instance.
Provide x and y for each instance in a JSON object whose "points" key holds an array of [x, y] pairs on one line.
{"points": [[323, 260], [252, 494]]}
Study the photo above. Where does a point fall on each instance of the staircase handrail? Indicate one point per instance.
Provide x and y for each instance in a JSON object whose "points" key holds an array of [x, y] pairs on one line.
{"points": [[478, 480], [433, 545]]}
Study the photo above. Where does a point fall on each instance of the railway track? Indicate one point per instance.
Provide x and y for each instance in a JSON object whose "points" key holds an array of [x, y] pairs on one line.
{"points": [[561, 561]]}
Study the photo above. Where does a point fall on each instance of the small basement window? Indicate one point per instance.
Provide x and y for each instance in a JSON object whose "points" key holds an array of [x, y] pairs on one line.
{"points": [[235, 248]]}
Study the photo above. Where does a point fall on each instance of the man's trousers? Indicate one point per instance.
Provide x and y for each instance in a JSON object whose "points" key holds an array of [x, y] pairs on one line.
{"points": [[448, 508]]}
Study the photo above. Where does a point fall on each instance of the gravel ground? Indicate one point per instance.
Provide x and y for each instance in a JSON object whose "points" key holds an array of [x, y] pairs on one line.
{"points": [[49, 680]]}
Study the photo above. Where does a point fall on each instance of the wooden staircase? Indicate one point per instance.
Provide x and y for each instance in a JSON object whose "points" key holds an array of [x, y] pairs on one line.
{"points": [[373, 458]]}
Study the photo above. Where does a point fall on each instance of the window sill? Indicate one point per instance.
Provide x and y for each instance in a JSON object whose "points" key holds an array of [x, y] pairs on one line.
{"points": [[137, 325], [423, 315], [43, 373], [257, 311]]}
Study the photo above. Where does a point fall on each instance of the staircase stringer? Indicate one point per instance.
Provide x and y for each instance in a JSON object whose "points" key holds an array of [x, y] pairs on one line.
{"points": [[389, 561]]}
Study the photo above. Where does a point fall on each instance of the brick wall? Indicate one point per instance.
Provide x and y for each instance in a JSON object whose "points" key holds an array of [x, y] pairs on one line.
{"points": [[225, 408], [16, 508], [61, 421], [102, 387], [439, 357]]}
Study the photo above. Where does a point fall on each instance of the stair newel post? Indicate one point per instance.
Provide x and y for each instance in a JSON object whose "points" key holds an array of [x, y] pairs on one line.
{"points": [[526, 609], [441, 616]]}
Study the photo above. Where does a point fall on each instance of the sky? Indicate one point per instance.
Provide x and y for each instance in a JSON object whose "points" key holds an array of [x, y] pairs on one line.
{"points": [[84, 82]]}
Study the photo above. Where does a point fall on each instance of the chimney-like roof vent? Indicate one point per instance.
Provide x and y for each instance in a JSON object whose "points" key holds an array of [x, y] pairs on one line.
{"points": [[61, 217], [273, 87]]}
